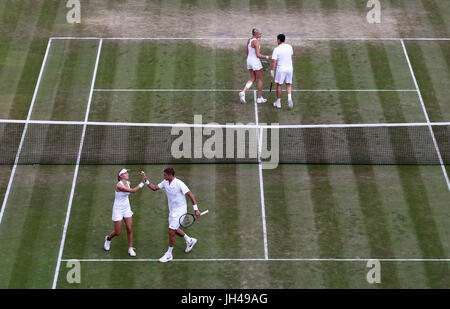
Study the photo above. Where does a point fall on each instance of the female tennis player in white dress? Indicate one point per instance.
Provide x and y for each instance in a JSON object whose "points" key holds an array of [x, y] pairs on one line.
{"points": [[254, 65], [122, 211]]}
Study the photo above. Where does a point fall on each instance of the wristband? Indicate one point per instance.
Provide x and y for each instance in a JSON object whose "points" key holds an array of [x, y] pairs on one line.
{"points": [[141, 185], [267, 57], [147, 182], [195, 207], [271, 72]]}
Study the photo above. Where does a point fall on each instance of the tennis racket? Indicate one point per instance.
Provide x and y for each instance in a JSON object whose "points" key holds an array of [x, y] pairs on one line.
{"points": [[265, 64], [271, 82], [188, 219]]}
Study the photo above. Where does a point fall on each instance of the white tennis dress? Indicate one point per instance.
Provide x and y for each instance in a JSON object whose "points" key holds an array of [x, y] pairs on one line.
{"points": [[121, 208], [253, 62]]}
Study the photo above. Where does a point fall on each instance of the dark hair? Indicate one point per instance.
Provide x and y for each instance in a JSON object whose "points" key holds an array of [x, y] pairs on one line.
{"points": [[169, 171], [254, 31], [281, 37]]}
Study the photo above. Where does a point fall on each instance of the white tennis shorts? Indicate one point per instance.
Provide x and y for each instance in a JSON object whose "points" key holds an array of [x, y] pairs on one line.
{"points": [[254, 64], [174, 220], [120, 212], [284, 77]]}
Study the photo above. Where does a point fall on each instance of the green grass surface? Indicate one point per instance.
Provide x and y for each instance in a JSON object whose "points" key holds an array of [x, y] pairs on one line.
{"points": [[312, 211], [31, 228], [66, 82]]}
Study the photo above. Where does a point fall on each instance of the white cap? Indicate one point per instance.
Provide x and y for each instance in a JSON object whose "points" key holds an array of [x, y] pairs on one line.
{"points": [[123, 171]]}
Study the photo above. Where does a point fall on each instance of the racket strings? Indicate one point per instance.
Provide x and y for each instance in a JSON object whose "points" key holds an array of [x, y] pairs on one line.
{"points": [[187, 220]]}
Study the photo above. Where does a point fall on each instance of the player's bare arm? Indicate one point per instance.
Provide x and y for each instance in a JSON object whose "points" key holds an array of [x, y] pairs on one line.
{"points": [[121, 187], [192, 197], [272, 69], [255, 45], [148, 183]]}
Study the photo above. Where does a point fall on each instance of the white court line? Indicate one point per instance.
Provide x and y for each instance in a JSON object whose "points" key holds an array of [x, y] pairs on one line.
{"points": [[263, 211], [426, 116], [74, 181], [262, 260], [261, 185], [237, 38], [246, 126], [16, 160], [265, 90]]}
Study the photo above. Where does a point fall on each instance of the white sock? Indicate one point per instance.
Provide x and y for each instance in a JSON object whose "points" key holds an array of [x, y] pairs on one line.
{"points": [[289, 97], [187, 238], [278, 101], [170, 250]]}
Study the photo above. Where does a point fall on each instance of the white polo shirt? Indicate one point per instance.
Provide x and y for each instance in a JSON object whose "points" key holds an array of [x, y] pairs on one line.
{"points": [[175, 192], [283, 55]]}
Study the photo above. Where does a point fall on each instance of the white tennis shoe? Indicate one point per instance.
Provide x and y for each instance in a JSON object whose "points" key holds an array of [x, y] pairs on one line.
{"points": [[107, 244], [242, 96], [277, 105], [166, 257], [290, 104], [131, 251], [190, 245], [261, 100]]}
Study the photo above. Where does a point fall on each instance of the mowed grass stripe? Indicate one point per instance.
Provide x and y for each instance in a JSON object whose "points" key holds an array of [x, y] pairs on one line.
{"points": [[185, 73], [291, 230], [73, 92], [425, 227], [107, 73], [326, 219], [436, 20], [9, 20], [377, 233], [10, 11], [325, 216], [327, 222], [117, 69], [12, 225], [19, 81], [433, 75], [65, 85], [31, 228], [438, 196], [5, 172], [145, 74]]}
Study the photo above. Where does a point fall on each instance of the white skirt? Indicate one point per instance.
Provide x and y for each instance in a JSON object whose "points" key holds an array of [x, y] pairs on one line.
{"points": [[120, 212], [254, 64]]}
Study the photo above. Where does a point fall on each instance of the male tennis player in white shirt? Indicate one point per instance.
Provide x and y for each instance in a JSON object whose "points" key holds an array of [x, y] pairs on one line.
{"points": [[282, 58], [175, 190]]}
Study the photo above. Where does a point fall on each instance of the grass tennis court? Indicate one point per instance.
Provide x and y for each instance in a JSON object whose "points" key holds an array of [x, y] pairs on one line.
{"points": [[296, 226]]}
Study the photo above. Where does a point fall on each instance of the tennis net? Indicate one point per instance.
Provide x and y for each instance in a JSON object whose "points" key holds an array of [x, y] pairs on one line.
{"points": [[59, 142]]}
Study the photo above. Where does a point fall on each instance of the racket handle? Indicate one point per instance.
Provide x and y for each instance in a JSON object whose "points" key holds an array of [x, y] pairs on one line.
{"points": [[204, 212]]}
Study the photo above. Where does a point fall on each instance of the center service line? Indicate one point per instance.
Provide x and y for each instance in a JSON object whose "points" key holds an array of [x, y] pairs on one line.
{"points": [[261, 184]]}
